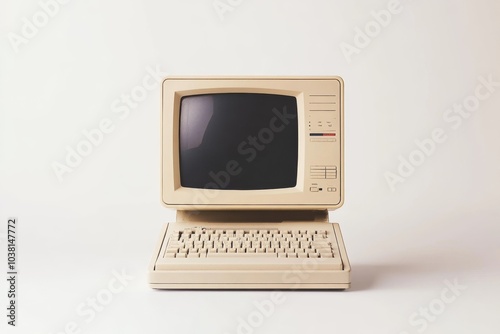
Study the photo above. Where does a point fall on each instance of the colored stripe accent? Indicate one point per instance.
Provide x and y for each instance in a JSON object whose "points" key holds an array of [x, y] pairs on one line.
{"points": [[322, 134]]}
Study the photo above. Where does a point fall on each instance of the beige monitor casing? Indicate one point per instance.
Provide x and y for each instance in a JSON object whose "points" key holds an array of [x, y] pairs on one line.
{"points": [[320, 179]]}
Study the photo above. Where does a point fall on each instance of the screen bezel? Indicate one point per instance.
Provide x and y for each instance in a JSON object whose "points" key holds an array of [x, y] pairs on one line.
{"points": [[174, 195]]}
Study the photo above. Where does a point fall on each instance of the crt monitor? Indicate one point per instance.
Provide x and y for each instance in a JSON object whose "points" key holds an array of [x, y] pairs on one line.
{"points": [[252, 143]]}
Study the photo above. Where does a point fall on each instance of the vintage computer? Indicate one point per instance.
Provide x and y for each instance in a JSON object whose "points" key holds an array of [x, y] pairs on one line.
{"points": [[252, 165]]}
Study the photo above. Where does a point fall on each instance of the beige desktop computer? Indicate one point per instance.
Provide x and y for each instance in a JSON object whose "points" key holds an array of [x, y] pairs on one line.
{"points": [[252, 165]]}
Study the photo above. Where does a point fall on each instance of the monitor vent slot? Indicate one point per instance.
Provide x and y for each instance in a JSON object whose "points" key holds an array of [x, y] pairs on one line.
{"points": [[323, 102]]}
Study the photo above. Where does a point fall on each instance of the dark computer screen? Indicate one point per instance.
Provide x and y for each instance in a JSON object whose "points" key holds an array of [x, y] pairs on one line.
{"points": [[238, 141]]}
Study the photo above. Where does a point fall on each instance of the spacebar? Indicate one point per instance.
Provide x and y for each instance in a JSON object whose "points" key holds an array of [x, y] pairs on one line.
{"points": [[252, 255]]}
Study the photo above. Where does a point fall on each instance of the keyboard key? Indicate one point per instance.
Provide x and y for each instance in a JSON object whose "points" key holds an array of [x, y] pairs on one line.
{"points": [[172, 249]]}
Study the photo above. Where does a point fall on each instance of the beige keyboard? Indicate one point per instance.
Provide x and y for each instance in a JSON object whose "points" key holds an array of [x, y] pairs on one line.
{"points": [[203, 248], [203, 242], [250, 255]]}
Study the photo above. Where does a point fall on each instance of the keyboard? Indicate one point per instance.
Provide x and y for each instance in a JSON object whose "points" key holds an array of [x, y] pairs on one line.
{"points": [[241, 243], [249, 248]]}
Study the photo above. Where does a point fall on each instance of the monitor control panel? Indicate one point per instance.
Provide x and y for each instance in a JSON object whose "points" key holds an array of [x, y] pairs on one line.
{"points": [[323, 142]]}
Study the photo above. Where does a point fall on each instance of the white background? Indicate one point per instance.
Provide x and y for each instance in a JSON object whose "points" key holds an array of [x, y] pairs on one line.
{"points": [[441, 224]]}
